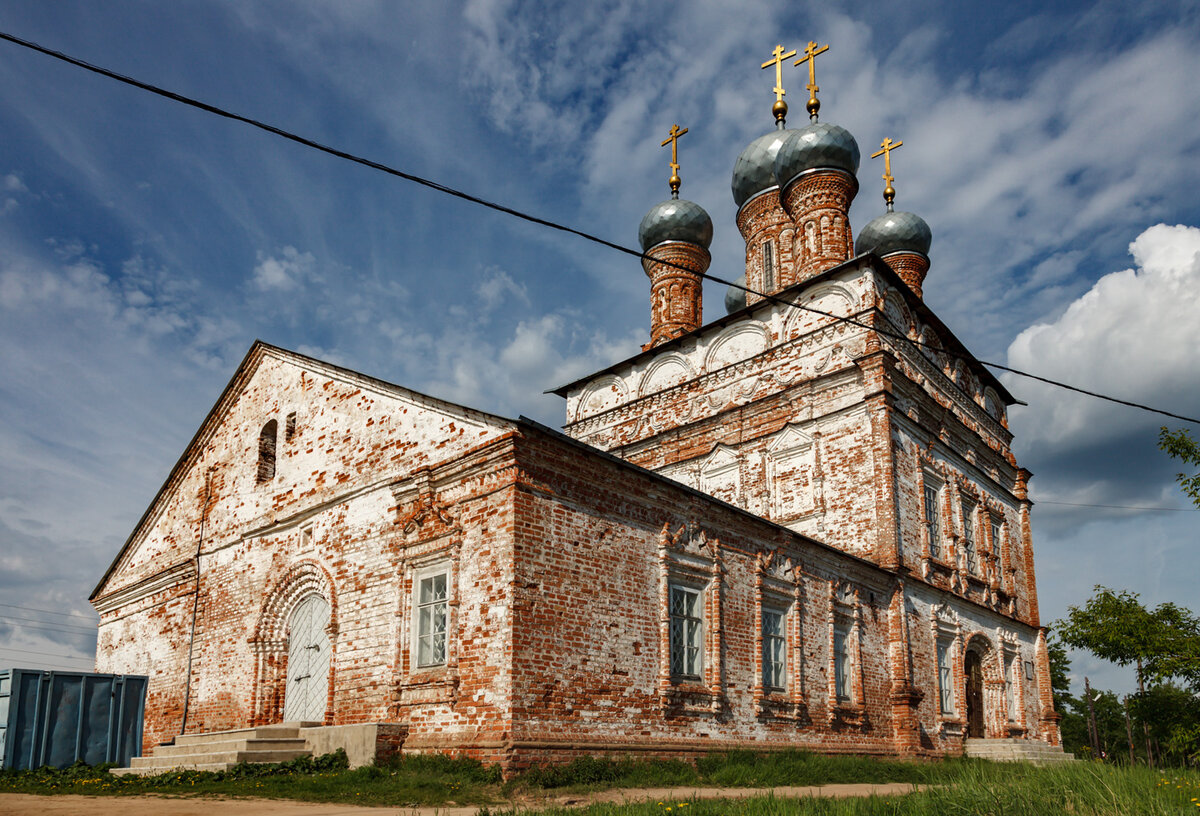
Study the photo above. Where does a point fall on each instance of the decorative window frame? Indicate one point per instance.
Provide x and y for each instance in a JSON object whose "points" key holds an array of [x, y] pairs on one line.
{"points": [[719, 464], [1010, 661], [791, 445], [845, 614], [779, 587], [945, 625], [689, 558]]}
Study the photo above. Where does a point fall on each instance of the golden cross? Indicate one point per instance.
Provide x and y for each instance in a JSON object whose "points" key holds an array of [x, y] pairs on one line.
{"points": [[673, 141], [810, 55], [886, 148], [778, 63]]}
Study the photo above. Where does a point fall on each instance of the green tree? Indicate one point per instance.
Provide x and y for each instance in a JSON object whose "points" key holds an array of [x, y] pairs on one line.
{"points": [[1180, 445]]}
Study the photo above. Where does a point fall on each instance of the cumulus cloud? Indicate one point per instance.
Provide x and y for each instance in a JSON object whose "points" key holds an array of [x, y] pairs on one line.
{"points": [[1132, 335], [498, 284]]}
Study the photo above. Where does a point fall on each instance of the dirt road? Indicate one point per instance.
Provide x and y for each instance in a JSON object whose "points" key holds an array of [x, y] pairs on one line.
{"points": [[13, 804]]}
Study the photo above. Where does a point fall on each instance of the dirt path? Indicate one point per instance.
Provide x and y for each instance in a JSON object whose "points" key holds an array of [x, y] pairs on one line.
{"points": [[15, 804]]}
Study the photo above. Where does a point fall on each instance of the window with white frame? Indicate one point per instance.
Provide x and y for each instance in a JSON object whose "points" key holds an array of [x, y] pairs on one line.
{"points": [[998, 544], [933, 520], [968, 520], [841, 662], [687, 632], [1010, 688], [431, 608], [945, 675], [774, 645]]}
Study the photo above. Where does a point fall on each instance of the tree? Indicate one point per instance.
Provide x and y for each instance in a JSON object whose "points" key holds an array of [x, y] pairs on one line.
{"points": [[1163, 643], [1180, 445]]}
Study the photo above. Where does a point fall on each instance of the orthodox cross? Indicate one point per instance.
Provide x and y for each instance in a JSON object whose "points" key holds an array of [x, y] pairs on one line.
{"points": [[673, 141], [780, 107], [810, 55], [886, 148]]}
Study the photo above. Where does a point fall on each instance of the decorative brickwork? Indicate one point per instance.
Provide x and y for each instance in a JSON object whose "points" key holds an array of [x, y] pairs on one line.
{"points": [[911, 267], [818, 202], [676, 295], [770, 236]]}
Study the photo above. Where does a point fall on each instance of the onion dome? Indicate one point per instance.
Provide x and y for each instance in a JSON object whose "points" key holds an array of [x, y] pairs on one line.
{"points": [[735, 298], [754, 170], [675, 219], [894, 232], [819, 145]]}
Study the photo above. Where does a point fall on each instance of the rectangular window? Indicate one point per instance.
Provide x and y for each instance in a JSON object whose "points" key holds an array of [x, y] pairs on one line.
{"points": [[933, 505], [945, 687], [774, 642], [998, 545], [1010, 694], [686, 632], [768, 259], [968, 517], [841, 663], [432, 606]]}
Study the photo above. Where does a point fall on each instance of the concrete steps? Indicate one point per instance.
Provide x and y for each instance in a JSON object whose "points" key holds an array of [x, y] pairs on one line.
{"points": [[220, 751], [1016, 750]]}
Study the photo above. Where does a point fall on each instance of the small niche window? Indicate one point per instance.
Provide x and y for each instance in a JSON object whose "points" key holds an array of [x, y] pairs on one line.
{"points": [[841, 663], [968, 520], [933, 504], [431, 615], [687, 629], [945, 684], [289, 427], [774, 643], [266, 451], [1010, 693], [768, 265]]}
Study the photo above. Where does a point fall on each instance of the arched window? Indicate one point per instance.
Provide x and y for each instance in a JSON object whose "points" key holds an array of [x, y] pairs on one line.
{"points": [[266, 451]]}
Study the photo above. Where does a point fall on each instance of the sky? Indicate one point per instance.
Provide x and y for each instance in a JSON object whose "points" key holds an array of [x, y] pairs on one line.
{"points": [[144, 245]]}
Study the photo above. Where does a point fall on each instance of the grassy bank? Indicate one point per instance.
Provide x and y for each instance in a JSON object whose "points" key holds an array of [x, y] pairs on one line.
{"points": [[959, 786]]}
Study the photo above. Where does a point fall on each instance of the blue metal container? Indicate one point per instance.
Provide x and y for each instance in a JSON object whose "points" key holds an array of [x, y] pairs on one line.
{"points": [[56, 718]]}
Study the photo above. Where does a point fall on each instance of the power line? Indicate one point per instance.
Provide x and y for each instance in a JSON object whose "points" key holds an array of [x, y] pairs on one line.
{"points": [[47, 654], [442, 188], [45, 627], [1123, 507], [49, 612], [54, 624]]}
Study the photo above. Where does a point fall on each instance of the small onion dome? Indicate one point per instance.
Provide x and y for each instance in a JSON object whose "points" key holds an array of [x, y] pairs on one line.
{"points": [[754, 170], [895, 232], [675, 220], [735, 299], [820, 145]]}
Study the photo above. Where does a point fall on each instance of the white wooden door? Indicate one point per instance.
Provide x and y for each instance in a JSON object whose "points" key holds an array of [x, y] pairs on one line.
{"points": [[308, 662]]}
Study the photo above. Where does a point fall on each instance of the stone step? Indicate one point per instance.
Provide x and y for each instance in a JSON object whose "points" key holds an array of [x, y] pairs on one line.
{"points": [[203, 757], [1015, 750], [296, 744], [154, 770], [280, 731]]}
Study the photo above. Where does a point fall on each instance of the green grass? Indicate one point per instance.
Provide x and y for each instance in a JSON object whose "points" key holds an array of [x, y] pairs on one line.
{"points": [[954, 786]]}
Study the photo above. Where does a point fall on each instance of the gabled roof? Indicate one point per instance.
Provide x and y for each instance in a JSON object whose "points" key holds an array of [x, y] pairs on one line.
{"points": [[949, 340], [241, 376]]}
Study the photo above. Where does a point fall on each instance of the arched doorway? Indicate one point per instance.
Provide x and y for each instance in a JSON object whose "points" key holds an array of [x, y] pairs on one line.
{"points": [[307, 691], [973, 668]]}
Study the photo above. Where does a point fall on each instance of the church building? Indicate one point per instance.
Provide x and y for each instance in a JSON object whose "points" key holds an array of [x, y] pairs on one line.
{"points": [[798, 526]]}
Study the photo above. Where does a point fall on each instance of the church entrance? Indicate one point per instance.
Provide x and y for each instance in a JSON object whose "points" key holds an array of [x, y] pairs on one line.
{"points": [[307, 690], [973, 664]]}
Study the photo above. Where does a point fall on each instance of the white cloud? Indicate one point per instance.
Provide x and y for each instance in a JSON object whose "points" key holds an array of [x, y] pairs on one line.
{"points": [[13, 184], [1132, 335], [496, 285], [288, 270]]}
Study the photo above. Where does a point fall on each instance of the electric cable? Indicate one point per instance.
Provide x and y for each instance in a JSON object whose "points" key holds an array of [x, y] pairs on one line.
{"points": [[442, 188], [48, 612]]}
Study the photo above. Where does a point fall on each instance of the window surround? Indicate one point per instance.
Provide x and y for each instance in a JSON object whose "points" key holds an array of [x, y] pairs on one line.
{"points": [[970, 541], [946, 628], [778, 591], [690, 560], [933, 491], [846, 703], [1009, 657]]}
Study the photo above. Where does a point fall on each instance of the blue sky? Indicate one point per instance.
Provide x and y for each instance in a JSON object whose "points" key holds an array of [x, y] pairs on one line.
{"points": [[144, 245]]}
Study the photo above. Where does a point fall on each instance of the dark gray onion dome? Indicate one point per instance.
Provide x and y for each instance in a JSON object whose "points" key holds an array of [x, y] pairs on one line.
{"points": [[675, 220], [894, 232], [817, 146], [754, 170], [735, 299]]}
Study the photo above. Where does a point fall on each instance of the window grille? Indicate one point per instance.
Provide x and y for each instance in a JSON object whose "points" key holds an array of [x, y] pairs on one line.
{"points": [[686, 632], [932, 522], [431, 620], [968, 516], [774, 642]]}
